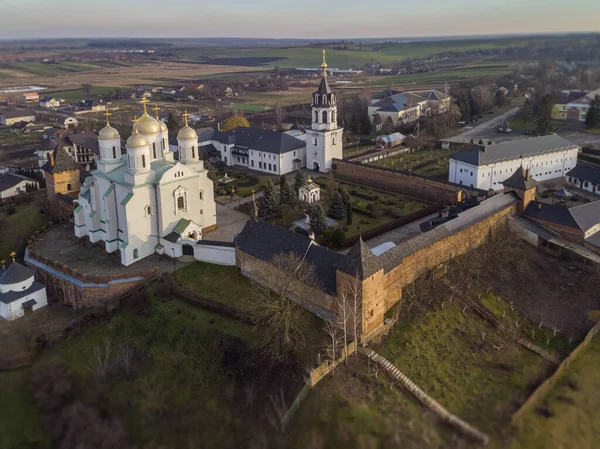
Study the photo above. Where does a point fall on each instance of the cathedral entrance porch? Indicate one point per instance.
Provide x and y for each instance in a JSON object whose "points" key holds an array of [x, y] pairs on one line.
{"points": [[188, 250]]}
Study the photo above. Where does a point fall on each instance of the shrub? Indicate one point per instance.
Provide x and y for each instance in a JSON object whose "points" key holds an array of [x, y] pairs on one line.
{"points": [[163, 290], [366, 212], [248, 181], [398, 213], [337, 238]]}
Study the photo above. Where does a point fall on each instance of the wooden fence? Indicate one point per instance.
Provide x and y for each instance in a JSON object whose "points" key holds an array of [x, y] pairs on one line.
{"points": [[547, 385]]}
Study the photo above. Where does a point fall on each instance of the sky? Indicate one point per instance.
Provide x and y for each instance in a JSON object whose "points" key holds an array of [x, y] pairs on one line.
{"points": [[307, 19]]}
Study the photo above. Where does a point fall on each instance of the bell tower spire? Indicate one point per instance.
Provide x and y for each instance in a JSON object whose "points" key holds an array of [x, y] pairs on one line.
{"points": [[324, 64]]}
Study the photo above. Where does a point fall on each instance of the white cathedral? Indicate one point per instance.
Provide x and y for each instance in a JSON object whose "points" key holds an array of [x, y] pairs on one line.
{"points": [[145, 201]]}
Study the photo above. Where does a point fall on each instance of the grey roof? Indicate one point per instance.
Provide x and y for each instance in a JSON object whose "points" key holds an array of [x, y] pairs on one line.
{"points": [[45, 99], [514, 149], [9, 180], [29, 303], [215, 243], [47, 144], [550, 212], [585, 173], [594, 239], [587, 215], [384, 94], [15, 273], [264, 241], [9, 297], [62, 162], [360, 261], [520, 179], [324, 88], [260, 140], [87, 140], [172, 237], [17, 113]]}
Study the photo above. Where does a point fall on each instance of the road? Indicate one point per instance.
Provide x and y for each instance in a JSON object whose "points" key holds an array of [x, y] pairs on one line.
{"points": [[487, 130]]}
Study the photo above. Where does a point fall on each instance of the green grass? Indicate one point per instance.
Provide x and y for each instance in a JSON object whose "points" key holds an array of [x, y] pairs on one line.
{"points": [[79, 94], [17, 228], [439, 167], [218, 282], [592, 130], [20, 425], [574, 402], [442, 351]]}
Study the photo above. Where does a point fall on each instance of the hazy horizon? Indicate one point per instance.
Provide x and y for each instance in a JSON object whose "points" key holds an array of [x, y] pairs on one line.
{"points": [[268, 19]]}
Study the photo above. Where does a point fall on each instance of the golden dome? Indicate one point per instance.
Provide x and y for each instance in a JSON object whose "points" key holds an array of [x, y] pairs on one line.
{"points": [[163, 126], [136, 140], [108, 132], [187, 133], [147, 125]]}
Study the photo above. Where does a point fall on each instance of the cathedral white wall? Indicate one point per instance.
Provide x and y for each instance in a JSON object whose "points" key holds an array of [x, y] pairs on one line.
{"points": [[141, 228], [322, 147], [221, 255]]}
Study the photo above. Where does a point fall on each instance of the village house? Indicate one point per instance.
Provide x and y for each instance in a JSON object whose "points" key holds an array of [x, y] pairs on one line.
{"points": [[573, 105], [20, 293], [67, 123], [8, 118], [407, 107], [89, 105], [585, 177], [81, 147], [28, 98], [49, 102], [12, 185], [546, 157], [390, 140]]}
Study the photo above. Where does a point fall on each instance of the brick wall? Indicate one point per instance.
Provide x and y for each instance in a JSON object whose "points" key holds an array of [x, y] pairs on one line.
{"points": [[382, 290], [399, 181]]}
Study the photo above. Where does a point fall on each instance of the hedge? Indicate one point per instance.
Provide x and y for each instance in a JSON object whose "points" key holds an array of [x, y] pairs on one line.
{"points": [[366, 212]]}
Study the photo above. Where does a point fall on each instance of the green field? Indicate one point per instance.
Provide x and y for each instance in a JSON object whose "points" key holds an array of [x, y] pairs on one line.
{"points": [[17, 228], [572, 418], [80, 94]]}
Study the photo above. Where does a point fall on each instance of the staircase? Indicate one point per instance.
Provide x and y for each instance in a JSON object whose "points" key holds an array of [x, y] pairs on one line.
{"points": [[186, 259]]}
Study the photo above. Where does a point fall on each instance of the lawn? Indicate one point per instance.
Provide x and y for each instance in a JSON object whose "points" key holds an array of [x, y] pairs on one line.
{"points": [[17, 228], [572, 418], [79, 94], [433, 163], [243, 183], [520, 125], [592, 130], [20, 425], [444, 352], [218, 282]]}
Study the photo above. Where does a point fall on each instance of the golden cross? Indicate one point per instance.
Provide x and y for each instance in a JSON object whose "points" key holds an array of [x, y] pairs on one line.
{"points": [[13, 254], [185, 116], [134, 118], [156, 109], [106, 113], [144, 101]]}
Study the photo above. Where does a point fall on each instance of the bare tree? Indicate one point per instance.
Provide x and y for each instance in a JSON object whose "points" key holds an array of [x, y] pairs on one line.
{"points": [[281, 321], [279, 113], [99, 363], [333, 331], [343, 319]]}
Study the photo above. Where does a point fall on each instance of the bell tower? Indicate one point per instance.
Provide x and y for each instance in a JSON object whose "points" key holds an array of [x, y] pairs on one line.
{"points": [[324, 141]]}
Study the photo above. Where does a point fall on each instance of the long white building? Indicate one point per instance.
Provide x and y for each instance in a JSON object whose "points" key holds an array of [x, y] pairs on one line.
{"points": [[145, 202], [546, 157]]}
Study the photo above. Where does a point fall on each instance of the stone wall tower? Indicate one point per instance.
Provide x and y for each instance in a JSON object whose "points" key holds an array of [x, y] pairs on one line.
{"points": [[324, 140]]}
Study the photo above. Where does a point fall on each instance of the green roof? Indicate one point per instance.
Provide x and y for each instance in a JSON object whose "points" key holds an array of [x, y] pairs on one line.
{"points": [[180, 227], [108, 191], [126, 199], [78, 209], [124, 245], [159, 246], [92, 213]]}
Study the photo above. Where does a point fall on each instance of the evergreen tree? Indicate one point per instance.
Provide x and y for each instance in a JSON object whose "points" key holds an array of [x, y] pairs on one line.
{"points": [[173, 124], [365, 123], [337, 238], [282, 181], [388, 126], [337, 208], [545, 114], [286, 195], [269, 204], [349, 214], [345, 197], [298, 181], [464, 105], [318, 224], [592, 119]]}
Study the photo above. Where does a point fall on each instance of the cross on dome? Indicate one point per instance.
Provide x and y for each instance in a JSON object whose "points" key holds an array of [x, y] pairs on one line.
{"points": [[144, 101], [324, 64], [107, 114], [156, 109], [185, 116]]}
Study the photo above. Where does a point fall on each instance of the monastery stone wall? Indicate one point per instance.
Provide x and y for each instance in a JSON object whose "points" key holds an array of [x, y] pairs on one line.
{"points": [[382, 290]]}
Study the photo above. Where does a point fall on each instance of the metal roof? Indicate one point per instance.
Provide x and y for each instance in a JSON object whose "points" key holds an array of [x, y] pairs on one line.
{"points": [[15, 273], [585, 173]]}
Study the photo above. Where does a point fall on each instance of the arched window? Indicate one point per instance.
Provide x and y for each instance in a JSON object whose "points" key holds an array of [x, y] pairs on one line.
{"points": [[153, 150], [135, 253], [143, 161], [163, 144], [193, 152], [148, 211], [180, 203], [315, 141], [201, 195], [324, 116], [316, 116], [114, 152], [333, 117]]}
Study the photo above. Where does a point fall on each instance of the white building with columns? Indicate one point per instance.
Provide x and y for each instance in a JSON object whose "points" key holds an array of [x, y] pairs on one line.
{"points": [[546, 157], [145, 202], [278, 152]]}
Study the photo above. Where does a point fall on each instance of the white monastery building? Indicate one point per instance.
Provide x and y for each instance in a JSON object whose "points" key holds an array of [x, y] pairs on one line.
{"points": [[20, 293], [145, 202], [278, 152], [485, 168]]}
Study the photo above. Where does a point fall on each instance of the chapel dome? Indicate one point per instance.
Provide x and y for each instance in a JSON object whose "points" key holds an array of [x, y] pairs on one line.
{"points": [[147, 125], [187, 133], [163, 126], [136, 140], [108, 132]]}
